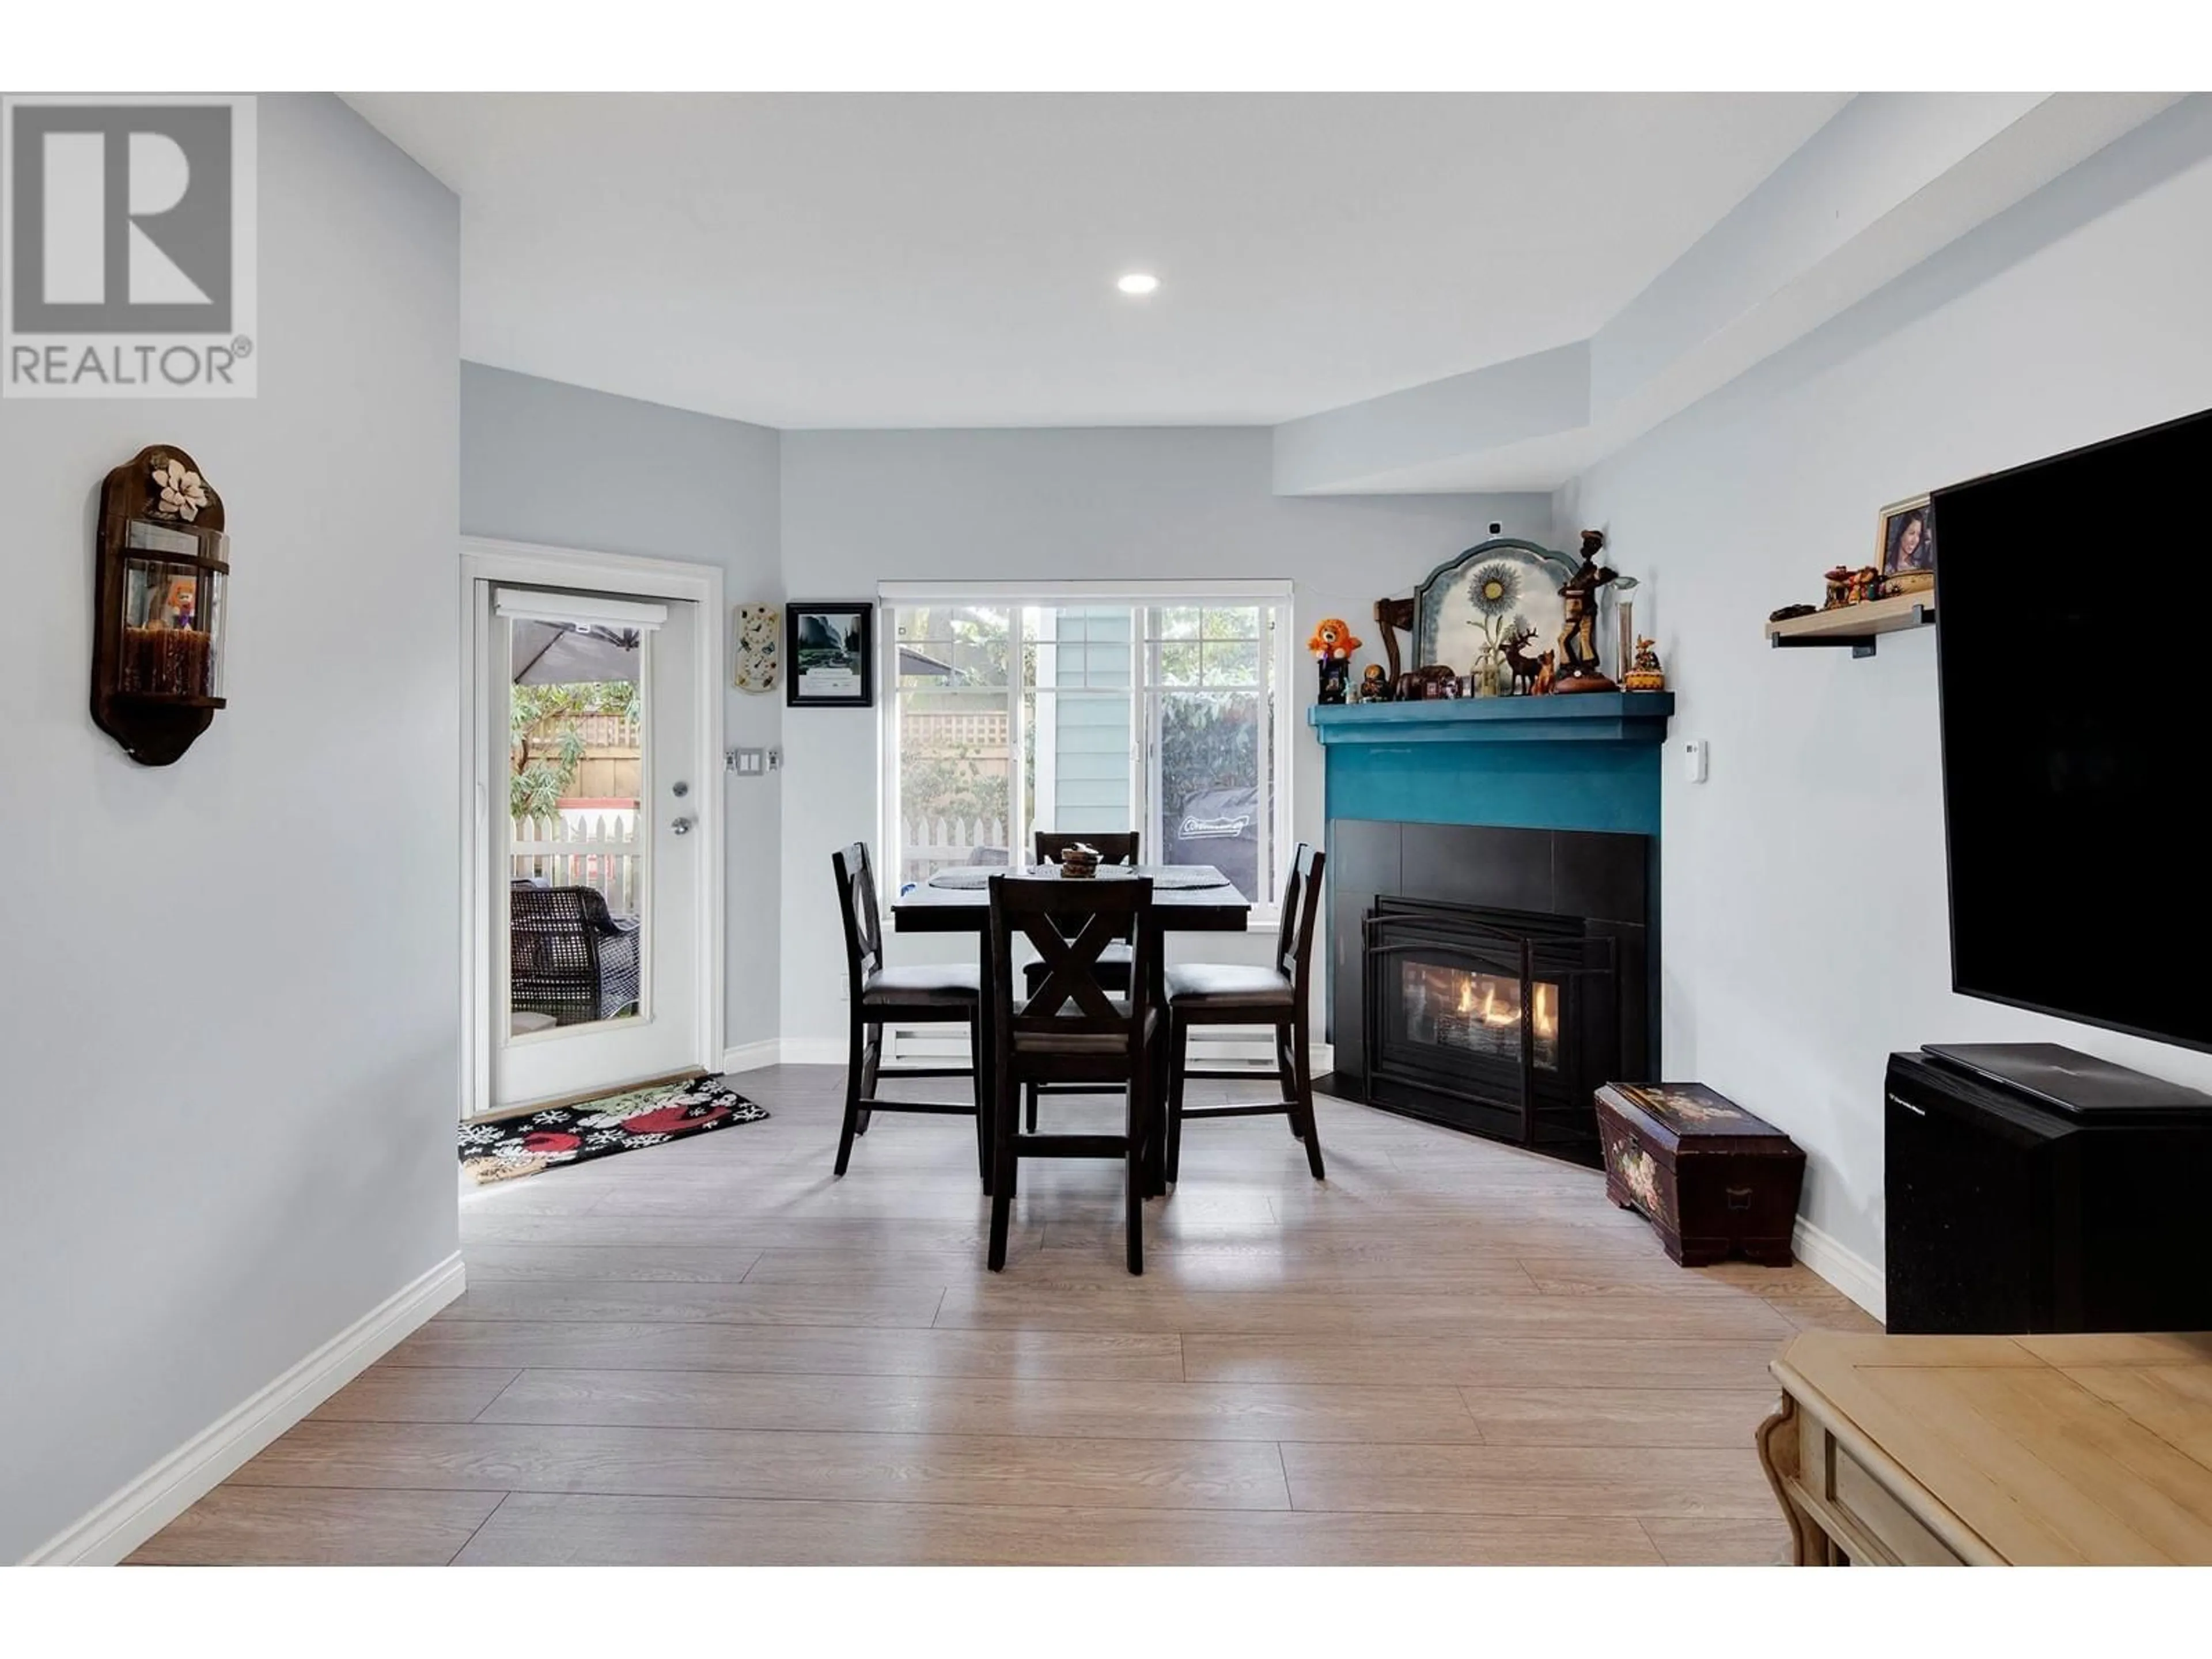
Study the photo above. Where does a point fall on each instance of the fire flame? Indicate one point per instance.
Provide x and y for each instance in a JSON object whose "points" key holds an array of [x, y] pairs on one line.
{"points": [[1493, 1011]]}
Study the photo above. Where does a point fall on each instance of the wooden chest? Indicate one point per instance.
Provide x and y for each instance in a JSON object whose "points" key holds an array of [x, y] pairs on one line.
{"points": [[1715, 1181]]}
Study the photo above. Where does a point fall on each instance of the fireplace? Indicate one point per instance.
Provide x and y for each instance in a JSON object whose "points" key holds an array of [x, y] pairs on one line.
{"points": [[1501, 1022], [1492, 979]]}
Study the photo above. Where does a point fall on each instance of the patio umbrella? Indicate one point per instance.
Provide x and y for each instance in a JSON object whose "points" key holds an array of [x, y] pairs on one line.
{"points": [[574, 654]]}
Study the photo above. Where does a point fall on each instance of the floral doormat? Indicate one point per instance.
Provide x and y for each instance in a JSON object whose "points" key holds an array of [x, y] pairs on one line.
{"points": [[599, 1128]]}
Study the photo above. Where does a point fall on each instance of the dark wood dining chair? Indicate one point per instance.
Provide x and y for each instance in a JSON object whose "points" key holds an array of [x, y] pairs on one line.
{"points": [[938, 994], [1276, 994], [1113, 846], [1071, 1028]]}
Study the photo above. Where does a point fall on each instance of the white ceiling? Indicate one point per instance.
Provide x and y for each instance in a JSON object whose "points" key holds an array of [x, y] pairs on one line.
{"points": [[890, 260]]}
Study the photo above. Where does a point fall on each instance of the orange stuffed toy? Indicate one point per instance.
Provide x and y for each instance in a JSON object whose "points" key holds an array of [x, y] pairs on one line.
{"points": [[1333, 644], [1333, 641]]}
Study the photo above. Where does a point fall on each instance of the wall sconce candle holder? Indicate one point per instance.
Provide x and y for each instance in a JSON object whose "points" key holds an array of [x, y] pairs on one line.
{"points": [[160, 604]]}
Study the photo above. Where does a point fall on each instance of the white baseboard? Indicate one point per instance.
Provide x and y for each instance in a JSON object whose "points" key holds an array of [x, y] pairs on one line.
{"points": [[1846, 1269], [187, 1474], [813, 1051], [752, 1056]]}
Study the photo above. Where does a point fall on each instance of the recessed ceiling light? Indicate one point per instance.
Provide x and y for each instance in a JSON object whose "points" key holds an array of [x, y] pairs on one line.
{"points": [[1138, 281]]}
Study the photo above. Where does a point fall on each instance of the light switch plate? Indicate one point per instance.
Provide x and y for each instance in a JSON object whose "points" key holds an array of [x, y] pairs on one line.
{"points": [[749, 763], [1694, 759]]}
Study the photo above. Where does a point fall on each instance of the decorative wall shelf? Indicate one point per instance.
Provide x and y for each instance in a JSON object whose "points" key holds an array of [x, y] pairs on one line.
{"points": [[1630, 717], [1856, 625]]}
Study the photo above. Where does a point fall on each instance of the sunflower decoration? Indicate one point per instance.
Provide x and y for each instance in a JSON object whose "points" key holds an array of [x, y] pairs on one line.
{"points": [[1495, 589], [1495, 592]]}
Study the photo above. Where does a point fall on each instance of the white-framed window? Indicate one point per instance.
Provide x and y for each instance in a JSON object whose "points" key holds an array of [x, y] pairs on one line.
{"points": [[1088, 707]]}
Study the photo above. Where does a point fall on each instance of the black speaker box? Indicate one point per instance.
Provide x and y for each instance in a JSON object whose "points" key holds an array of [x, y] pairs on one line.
{"points": [[2032, 1188]]}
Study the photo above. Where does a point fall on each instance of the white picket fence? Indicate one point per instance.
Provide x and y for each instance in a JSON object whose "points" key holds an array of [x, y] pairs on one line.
{"points": [[933, 843], [597, 850]]}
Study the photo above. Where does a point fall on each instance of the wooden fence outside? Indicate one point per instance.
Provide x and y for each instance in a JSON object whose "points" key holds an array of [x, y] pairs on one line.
{"points": [[930, 844], [601, 851]]}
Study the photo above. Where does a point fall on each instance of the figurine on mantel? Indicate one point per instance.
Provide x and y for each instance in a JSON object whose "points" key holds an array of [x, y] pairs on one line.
{"points": [[1394, 618], [1420, 685], [1374, 685], [1578, 663], [1332, 645], [1526, 665], [1645, 674]]}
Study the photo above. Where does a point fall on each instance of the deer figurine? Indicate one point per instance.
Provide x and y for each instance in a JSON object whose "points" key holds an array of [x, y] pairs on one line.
{"points": [[1525, 664]]}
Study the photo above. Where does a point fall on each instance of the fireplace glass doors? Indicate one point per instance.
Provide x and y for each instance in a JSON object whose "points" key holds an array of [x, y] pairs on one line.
{"points": [[1494, 1021], [1474, 1012]]}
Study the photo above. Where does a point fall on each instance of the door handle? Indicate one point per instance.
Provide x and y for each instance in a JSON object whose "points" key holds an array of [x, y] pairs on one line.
{"points": [[681, 826]]}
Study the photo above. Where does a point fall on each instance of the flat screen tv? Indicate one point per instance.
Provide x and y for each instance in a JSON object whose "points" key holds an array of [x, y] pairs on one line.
{"points": [[2077, 729]]}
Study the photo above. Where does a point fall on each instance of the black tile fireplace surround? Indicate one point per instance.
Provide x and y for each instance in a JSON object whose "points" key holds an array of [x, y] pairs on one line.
{"points": [[1489, 978]]}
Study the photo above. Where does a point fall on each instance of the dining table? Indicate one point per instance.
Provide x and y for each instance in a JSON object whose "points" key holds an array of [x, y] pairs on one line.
{"points": [[1187, 899]]}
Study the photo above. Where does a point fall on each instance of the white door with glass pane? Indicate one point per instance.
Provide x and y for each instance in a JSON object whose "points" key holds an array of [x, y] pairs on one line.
{"points": [[593, 703]]}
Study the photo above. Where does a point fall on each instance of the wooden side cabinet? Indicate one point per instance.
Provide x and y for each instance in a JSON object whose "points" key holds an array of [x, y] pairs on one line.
{"points": [[1992, 1450]]}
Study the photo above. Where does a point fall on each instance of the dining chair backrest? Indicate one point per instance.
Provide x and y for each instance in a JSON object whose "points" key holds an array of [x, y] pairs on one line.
{"points": [[1301, 907], [1070, 923], [857, 911], [1114, 847]]}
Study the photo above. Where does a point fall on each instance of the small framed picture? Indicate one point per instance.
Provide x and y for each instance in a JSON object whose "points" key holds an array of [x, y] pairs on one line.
{"points": [[829, 653], [1907, 550]]}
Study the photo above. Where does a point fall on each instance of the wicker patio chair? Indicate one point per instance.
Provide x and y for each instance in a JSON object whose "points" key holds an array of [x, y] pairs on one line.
{"points": [[568, 956]]}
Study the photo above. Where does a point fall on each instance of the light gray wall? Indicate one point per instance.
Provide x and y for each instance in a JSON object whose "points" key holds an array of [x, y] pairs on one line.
{"points": [[562, 467], [230, 985], [1803, 885], [1125, 504]]}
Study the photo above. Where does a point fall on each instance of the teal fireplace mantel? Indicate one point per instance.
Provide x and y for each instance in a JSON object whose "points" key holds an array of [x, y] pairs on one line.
{"points": [[1585, 717], [1588, 761]]}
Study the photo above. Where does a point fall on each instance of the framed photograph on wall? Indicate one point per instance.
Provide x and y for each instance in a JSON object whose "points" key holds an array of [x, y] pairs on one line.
{"points": [[1907, 550], [829, 653]]}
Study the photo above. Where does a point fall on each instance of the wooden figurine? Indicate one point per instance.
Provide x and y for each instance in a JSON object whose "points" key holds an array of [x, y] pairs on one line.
{"points": [[1394, 616], [1645, 675], [1541, 686], [1849, 587], [1417, 684], [1578, 662], [1525, 664], [1374, 685], [1332, 645]]}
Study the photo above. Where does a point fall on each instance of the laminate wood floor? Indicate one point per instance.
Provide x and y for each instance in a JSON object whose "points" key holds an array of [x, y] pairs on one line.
{"points": [[712, 1352]]}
